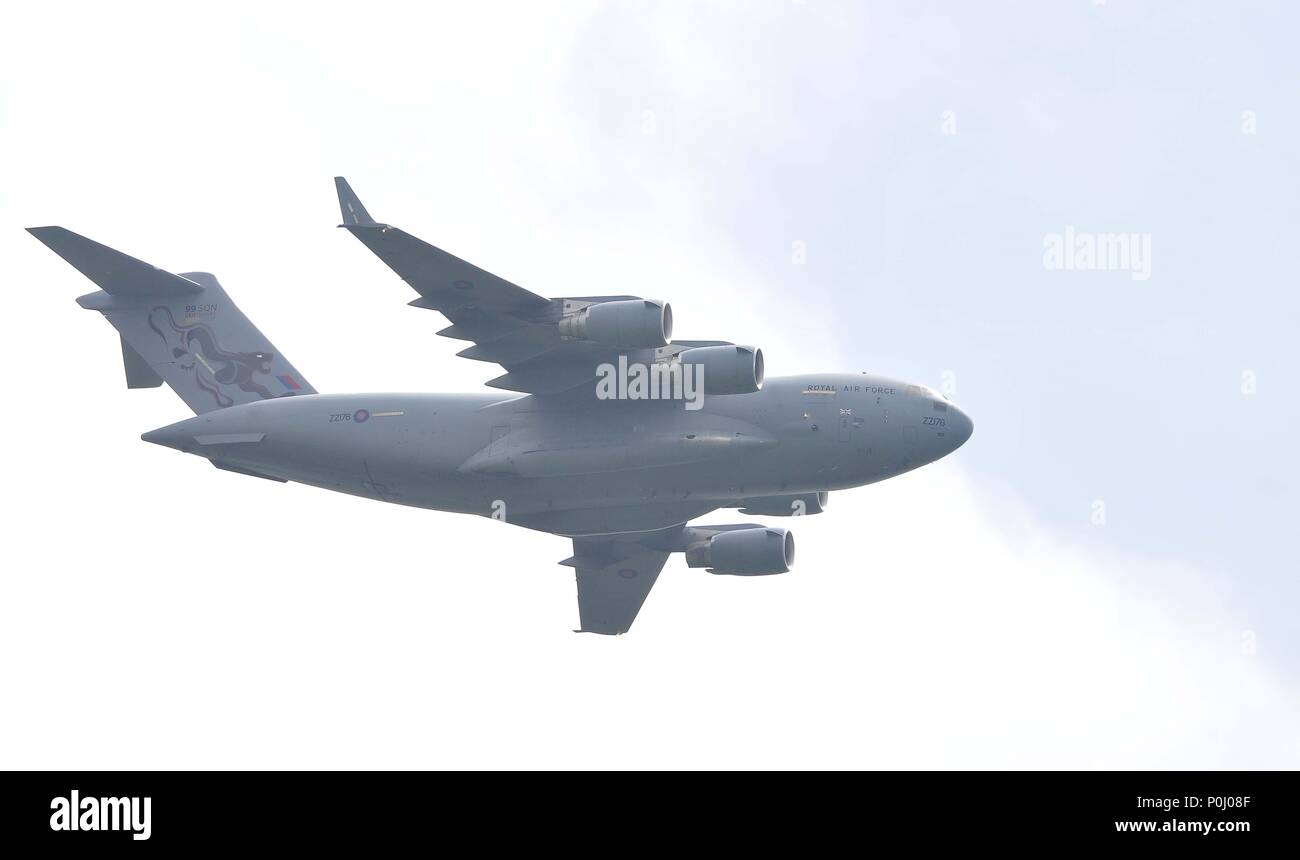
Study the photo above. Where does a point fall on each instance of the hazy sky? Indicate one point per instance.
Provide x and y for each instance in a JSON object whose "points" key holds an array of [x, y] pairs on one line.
{"points": [[1100, 577]]}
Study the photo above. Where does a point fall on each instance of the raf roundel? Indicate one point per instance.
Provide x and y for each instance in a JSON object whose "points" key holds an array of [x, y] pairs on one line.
{"points": [[361, 416]]}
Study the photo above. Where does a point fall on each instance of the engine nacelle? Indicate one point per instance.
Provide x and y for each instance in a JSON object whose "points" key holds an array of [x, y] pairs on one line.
{"points": [[756, 551], [727, 369], [800, 504], [627, 324]]}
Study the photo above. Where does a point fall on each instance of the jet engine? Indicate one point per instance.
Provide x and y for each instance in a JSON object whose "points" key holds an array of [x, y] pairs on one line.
{"points": [[727, 369], [800, 504], [627, 324], [743, 551]]}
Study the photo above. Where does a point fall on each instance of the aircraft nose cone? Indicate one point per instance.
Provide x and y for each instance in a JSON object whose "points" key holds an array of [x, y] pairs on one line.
{"points": [[962, 426]]}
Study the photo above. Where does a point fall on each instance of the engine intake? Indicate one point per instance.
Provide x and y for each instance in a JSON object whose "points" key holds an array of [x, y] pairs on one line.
{"points": [[799, 504], [755, 551], [727, 369], [626, 324]]}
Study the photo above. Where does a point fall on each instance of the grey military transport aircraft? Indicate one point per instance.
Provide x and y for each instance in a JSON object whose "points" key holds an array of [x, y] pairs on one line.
{"points": [[605, 430]]}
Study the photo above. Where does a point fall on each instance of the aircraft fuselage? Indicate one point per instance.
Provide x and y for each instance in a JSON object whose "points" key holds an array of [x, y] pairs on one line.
{"points": [[537, 461]]}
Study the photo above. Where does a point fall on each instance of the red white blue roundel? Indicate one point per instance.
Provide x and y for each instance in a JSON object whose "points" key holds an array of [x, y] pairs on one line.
{"points": [[361, 416]]}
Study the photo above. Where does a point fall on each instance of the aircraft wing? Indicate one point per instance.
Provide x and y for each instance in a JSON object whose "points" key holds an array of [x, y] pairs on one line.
{"points": [[614, 578], [507, 324], [442, 280]]}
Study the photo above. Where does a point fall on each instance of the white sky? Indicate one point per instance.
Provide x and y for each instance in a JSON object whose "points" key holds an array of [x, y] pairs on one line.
{"points": [[200, 619]]}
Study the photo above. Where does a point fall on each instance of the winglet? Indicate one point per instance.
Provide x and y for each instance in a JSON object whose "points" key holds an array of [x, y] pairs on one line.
{"points": [[112, 271], [350, 205]]}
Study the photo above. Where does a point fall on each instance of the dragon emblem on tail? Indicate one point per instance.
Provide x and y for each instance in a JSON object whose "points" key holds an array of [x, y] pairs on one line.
{"points": [[196, 348]]}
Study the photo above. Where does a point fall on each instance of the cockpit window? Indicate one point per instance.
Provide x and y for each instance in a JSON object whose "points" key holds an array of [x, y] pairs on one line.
{"points": [[940, 407]]}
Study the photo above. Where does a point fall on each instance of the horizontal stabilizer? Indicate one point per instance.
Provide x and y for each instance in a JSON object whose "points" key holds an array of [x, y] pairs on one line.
{"points": [[112, 271]]}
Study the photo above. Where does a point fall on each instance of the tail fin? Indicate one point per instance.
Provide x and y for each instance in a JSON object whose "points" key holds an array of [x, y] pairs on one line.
{"points": [[179, 329]]}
